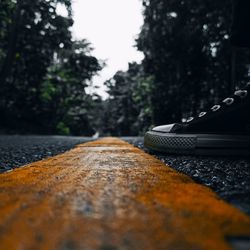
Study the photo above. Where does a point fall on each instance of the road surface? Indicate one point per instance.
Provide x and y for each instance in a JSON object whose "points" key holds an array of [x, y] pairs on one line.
{"points": [[107, 194], [228, 177]]}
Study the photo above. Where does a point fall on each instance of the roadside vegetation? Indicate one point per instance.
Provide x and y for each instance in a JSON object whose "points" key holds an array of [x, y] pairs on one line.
{"points": [[44, 73]]}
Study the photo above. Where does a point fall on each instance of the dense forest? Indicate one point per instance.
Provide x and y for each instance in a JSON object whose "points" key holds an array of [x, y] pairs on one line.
{"points": [[43, 71], [189, 65]]}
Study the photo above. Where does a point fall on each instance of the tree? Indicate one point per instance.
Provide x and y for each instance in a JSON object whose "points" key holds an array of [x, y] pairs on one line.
{"points": [[128, 108], [43, 71], [187, 50], [63, 96]]}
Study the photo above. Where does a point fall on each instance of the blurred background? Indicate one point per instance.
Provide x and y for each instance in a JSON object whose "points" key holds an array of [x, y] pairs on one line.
{"points": [[54, 79]]}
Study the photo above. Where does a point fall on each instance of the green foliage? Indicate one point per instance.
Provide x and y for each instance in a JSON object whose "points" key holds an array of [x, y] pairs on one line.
{"points": [[187, 66], [128, 109], [187, 50], [141, 96], [62, 129], [43, 72], [63, 92]]}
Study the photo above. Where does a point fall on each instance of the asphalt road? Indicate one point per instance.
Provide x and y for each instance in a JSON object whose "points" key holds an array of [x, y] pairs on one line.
{"points": [[16, 151], [110, 195], [228, 177]]}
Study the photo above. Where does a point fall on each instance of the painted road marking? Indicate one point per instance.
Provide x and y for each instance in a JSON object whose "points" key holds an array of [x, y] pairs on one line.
{"points": [[107, 194]]}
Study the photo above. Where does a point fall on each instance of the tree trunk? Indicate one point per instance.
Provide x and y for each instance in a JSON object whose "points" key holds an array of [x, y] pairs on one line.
{"points": [[12, 42]]}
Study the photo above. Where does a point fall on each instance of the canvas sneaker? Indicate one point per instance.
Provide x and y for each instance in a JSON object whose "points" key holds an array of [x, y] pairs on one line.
{"points": [[222, 130]]}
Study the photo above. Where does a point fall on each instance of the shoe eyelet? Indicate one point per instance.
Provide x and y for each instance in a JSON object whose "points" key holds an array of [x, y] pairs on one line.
{"points": [[228, 101], [202, 114], [189, 119], [215, 108], [241, 93]]}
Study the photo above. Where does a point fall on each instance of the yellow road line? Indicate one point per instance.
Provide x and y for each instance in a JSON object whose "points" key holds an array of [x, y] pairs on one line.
{"points": [[109, 195]]}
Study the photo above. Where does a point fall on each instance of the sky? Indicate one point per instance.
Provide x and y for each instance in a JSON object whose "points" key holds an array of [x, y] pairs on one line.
{"points": [[111, 26]]}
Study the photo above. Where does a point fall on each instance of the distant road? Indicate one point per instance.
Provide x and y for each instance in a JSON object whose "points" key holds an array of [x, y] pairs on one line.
{"points": [[18, 150]]}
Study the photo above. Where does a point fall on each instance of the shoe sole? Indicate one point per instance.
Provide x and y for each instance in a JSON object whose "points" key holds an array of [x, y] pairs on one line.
{"points": [[198, 144]]}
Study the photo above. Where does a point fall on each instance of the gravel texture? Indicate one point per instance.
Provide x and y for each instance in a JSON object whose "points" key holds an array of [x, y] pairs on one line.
{"points": [[16, 151], [228, 177]]}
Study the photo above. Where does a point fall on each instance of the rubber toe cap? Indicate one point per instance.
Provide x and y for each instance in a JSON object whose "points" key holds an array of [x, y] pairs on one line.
{"points": [[170, 128]]}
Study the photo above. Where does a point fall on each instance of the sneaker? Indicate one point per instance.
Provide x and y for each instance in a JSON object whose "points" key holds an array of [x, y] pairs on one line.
{"points": [[222, 130]]}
